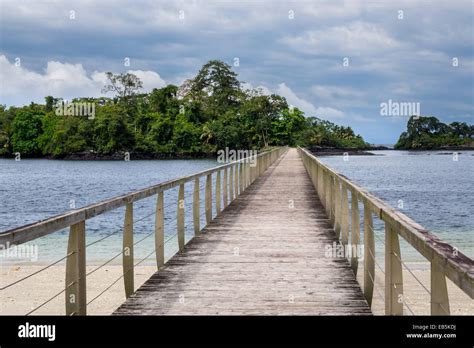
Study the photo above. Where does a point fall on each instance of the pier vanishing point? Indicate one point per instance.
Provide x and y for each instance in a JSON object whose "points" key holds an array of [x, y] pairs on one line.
{"points": [[274, 226]]}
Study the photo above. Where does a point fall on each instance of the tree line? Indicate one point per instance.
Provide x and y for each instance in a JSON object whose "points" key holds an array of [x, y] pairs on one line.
{"points": [[427, 132], [207, 113]]}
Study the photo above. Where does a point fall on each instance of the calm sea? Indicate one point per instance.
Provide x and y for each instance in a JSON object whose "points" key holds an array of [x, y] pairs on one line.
{"points": [[434, 189]]}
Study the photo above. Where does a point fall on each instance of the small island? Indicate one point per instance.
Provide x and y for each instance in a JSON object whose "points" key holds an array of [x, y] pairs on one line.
{"points": [[428, 133], [212, 111]]}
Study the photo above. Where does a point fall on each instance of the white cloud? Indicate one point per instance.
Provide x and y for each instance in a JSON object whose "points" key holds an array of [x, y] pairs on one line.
{"points": [[353, 39], [309, 109], [21, 86]]}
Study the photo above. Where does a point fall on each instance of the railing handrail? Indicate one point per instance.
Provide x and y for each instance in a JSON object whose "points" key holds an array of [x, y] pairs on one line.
{"points": [[458, 267], [26, 233]]}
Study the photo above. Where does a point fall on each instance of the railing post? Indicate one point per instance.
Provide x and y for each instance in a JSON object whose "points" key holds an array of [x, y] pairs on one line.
{"points": [[344, 216], [236, 180], [311, 167], [159, 231], [180, 217], [218, 192], [196, 208], [355, 231], [439, 291], [369, 254], [226, 189], [254, 168], [249, 173], [231, 183], [320, 182], [245, 174], [314, 174], [337, 207], [327, 192], [241, 178], [76, 303], [127, 255], [331, 196], [322, 195], [208, 197], [393, 273]]}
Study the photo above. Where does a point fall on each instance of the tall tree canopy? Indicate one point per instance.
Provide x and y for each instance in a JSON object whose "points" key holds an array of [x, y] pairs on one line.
{"points": [[206, 113], [427, 132]]}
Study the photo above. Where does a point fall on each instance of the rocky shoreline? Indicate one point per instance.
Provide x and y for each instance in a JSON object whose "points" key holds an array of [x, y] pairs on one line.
{"points": [[122, 155], [332, 151], [316, 150]]}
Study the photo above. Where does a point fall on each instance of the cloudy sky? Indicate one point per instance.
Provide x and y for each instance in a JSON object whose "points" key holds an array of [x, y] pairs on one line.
{"points": [[404, 51]]}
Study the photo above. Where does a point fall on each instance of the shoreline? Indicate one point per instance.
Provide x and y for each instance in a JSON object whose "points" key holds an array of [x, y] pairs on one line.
{"points": [[316, 150]]}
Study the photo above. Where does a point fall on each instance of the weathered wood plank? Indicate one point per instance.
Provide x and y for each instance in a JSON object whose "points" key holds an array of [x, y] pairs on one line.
{"points": [[266, 253]]}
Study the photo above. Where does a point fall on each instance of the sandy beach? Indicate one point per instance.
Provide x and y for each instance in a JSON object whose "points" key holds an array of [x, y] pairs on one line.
{"points": [[32, 292]]}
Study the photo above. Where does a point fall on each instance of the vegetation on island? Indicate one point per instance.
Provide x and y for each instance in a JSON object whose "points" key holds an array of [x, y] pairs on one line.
{"points": [[424, 133], [207, 113]]}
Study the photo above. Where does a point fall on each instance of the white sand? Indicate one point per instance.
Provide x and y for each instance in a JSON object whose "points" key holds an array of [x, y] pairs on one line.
{"points": [[416, 297], [23, 297]]}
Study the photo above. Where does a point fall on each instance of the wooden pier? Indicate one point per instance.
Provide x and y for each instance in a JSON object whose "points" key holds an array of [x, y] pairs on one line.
{"points": [[264, 254], [274, 228]]}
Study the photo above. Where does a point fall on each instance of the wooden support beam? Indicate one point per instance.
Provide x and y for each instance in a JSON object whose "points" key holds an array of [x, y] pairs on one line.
{"points": [[76, 303], [225, 188], [208, 198], [160, 231], [337, 207], [236, 181], [355, 231], [180, 217], [127, 255], [196, 208], [344, 216], [231, 184], [218, 193], [241, 178], [393, 273], [439, 291], [369, 254]]}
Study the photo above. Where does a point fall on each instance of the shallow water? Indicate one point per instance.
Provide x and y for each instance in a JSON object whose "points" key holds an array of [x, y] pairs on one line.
{"points": [[431, 188], [35, 189]]}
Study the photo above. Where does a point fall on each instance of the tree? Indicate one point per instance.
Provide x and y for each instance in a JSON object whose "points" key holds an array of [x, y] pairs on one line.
{"points": [[206, 113], [111, 133], [428, 132], [287, 127], [124, 85], [186, 135], [26, 128], [259, 113], [216, 86]]}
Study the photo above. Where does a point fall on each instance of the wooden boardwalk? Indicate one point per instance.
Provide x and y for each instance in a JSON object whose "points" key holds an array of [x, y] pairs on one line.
{"points": [[264, 254]]}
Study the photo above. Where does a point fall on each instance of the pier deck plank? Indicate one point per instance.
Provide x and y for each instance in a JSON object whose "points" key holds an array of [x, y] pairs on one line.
{"points": [[263, 255]]}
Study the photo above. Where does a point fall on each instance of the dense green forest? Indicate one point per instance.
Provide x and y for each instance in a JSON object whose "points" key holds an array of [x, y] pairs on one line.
{"points": [[207, 113], [429, 133]]}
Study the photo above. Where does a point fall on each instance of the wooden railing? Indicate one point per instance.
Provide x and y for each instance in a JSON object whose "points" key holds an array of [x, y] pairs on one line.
{"points": [[446, 261], [237, 176]]}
